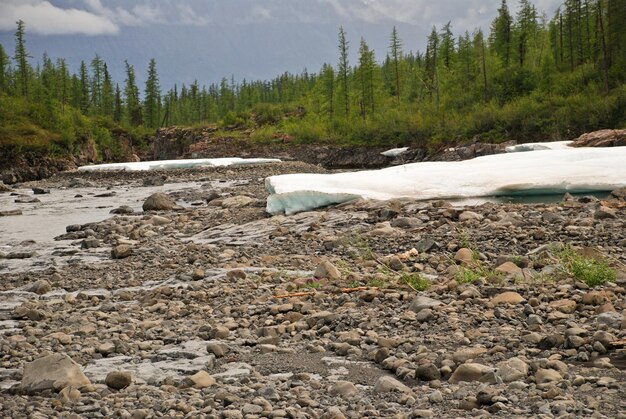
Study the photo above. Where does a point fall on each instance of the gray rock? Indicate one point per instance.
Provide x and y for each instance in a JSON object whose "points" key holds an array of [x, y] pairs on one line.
{"points": [[610, 318], [421, 302], [469, 372], [159, 202], [52, 372], [512, 369], [427, 372], [343, 388], [327, 270], [38, 287], [118, 380], [121, 251], [387, 384]]}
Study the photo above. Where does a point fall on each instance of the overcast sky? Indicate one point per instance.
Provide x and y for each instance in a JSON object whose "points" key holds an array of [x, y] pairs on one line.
{"points": [[208, 39]]}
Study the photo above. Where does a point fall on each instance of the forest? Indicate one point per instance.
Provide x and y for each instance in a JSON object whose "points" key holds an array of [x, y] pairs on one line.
{"points": [[527, 77]]}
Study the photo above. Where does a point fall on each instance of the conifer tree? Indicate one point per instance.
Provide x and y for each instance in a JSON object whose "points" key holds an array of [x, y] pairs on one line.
{"points": [[4, 73], [152, 102], [23, 69], [501, 34], [83, 98], [367, 65], [395, 50], [343, 70], [131, 96]]}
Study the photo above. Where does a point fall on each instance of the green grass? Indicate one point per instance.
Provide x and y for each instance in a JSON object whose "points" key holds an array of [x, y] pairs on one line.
{"points": [[592, 271], [416, 281]]}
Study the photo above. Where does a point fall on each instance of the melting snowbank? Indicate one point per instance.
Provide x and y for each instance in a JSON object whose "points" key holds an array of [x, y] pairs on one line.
{"points": [[555, 145], [539, 172], [176, 164]]}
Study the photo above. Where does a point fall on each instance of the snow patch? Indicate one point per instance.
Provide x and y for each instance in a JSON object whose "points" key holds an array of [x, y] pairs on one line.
{"points": [[573, 170], [555, 145], [394, 152], [176, 164]]}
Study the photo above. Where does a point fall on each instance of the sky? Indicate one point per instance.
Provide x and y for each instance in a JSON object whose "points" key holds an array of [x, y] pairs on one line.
{"points": [[206, 40]]}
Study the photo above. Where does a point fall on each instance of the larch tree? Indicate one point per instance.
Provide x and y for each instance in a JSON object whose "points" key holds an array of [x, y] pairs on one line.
{"points": [[501, 34], [4, 73], [152, 99], [344, 70], [23, 69], [131, 97], [367, 65], [395, 55]]}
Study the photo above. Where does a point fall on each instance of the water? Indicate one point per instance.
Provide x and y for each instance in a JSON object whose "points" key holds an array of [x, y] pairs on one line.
{"points": [[41, 222], [526, 199]]}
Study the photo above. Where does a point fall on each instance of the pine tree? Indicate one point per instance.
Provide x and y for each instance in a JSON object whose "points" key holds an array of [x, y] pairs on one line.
{"points": [[328, 88], [108, 95], [432, 54], [526, 29], [64, 83], [23, 69], [447, 45], [343, 70], [152, 102]]}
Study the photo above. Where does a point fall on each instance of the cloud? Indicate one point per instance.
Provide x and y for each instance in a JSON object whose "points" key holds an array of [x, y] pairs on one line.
{"points": [[42, 17]]}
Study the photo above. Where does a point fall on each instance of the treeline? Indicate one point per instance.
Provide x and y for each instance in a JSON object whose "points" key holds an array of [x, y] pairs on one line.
{"points": [[528, 78]]}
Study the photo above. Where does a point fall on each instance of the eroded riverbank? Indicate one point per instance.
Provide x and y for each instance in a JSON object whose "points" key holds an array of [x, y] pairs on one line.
{"points": [[315, 315]]}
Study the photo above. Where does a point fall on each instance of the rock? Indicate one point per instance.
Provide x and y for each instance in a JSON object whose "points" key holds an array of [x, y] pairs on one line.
{"points": [[69, 395], [52, 372], [343, 388], [159, 202], [8, 213], [124, 209], [154, 180], [328, 271], [90, 243], [462, 355], [425, 245], [469, 372], [552, 341], [595, 298], [40, 191], [157, 220], [470, 216], [464, 256], [39, 287], [201, 379], [387, 384], [118, 380], [421, 302], [611, 318], [332, 413], [544, 375], [509, 268], [427, 372], [239, 201], [619, 194], [121, 251], [564, 306], [508, 297], [604, 213], [512, 369], [217, 348], [601, 138]]}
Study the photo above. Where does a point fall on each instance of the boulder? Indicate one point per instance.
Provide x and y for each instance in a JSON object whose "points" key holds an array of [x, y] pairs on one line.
{"points": [[387, 384], [118, 380], [469, 372], [52, 372], [509, 297], [159, 202], [327, 270]]}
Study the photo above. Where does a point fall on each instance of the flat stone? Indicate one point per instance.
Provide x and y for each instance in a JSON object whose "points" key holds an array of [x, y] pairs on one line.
{"points": [[509, 268], [544, 375], [469, 372], [343, 388], [564, 306], [121, 251], [387, 384], [422, 302], [52, 372], [508, 297], [201, 379], [512, 369]]}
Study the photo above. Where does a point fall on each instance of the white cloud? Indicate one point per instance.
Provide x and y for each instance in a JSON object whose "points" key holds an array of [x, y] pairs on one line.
{"points": [[44, 18]]}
